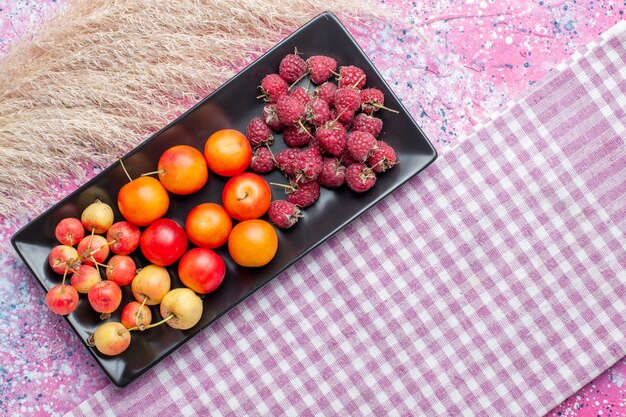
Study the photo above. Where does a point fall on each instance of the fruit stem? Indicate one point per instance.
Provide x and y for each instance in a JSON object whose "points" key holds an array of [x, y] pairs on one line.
{"points": [[126, 172], [161, 171], [303, 127], [171, 316], [358, 81], [67, 268], [93, 232], [104, 246], [281, 185], [297, 81], [380, 106], [139, 316], [245, 195]]}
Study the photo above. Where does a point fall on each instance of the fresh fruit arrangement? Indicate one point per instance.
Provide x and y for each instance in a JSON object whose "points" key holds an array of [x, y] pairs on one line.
{"points": [[331, 132], [331, 137], [94, 251]]}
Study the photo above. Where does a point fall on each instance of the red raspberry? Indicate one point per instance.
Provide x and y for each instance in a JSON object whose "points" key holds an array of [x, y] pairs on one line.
{"points": [[291, 68], [321, 68], [332, 137], [314, 143], [303, 195], [317, 112], [344, 116], [262, 160], [360, 177], [360, 145], [333, 173], [258, 133], [289, 110], [373, 99], [283, 213], [326, 92], [272, 87], [307, 165], [301, 94], [383, 158], [285, 160], [295, 136], [346, 159], [351, 76], [347, 98], [270, 116], [366, 123]]}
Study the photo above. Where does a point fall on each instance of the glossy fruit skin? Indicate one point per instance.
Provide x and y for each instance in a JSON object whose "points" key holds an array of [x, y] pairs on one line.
{"points": [[185, 305], [227, 152], [152, 282], [95, 247], [86, 277], [69, 231], [98, 216], [208, 225], [62, 299], [253, 243], [163, 242], [182, 170], [246, 196], [129, 314], [126, 236], [202, 270], [143, 200], [122, 270], [111, 338], [58, 257], [105, 296]]}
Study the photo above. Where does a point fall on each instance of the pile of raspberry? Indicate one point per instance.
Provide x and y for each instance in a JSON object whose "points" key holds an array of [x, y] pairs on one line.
{"points": [[331, 132]]}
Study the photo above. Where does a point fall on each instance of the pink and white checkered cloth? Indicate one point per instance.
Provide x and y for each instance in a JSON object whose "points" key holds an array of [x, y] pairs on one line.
{"points": [[491, 284]]}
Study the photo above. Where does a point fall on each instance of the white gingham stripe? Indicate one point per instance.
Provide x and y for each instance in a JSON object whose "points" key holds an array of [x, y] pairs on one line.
{"points": [[491, 284]]}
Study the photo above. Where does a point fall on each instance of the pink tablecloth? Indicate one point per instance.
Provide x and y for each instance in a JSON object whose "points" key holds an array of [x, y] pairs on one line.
{"points": [[491, 284]]}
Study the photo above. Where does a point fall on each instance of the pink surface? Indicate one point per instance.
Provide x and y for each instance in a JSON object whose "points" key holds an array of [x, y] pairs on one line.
{"points": [[452, 66]]}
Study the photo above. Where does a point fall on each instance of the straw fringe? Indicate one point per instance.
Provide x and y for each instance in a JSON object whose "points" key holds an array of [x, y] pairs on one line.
{"points": [[105, 74]]}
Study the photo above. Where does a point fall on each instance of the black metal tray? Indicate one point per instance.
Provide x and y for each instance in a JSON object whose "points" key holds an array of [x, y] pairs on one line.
{"points": [[233, 105]]}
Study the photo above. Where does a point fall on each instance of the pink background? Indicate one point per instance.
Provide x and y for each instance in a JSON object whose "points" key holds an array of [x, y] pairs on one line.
{"points": [[457, 62]]}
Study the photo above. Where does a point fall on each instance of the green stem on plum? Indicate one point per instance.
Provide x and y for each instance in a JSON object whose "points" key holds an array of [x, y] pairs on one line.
{"points": [[130, 179], [171, 316], [161, 171]]}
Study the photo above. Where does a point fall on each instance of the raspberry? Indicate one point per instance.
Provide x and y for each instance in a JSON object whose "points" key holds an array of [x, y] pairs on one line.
{"points": [[271, 118], [344, 116], [321, 68], [314, 143], [332, 137], [360, 177], [262, 160], [347, 98], [326, 92], [351, 76], [283, 214], [383, 158], [273, 87], [289, 110], [291, 68], [295, 136], [373, 99], [360, 144], [301, 94], [303, 195], [258, 133], [307, 165], [346, 159], [285, 160], [317, 112], [366, 123], [333, 173]]}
